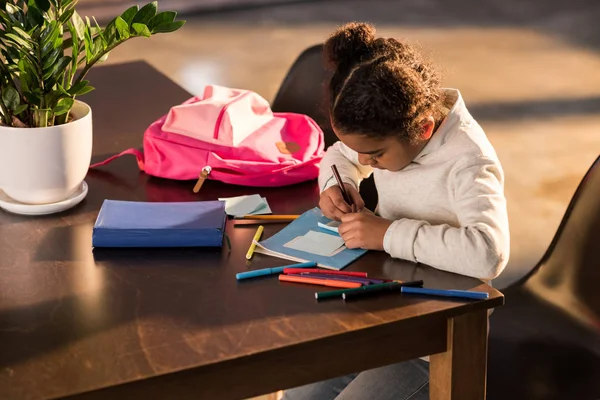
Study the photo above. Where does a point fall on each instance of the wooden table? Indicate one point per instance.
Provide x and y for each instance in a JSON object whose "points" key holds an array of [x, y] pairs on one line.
{"points": [[175, 323]]}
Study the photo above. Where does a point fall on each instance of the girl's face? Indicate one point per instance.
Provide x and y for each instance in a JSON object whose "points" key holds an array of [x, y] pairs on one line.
{"points": [[388, 153]]}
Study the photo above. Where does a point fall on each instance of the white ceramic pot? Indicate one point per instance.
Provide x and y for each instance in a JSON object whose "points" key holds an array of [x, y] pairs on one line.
{"points": [[46, 165]]}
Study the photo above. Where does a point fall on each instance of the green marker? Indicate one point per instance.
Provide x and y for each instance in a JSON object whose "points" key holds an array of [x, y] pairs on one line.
{"points": [[369, 288]]}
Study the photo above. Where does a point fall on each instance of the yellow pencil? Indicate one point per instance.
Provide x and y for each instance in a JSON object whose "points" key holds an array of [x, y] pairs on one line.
{"points": [[250, 252], [270, 216]]}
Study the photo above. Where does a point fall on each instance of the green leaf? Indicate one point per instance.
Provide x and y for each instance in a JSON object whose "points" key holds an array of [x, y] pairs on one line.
{"points": [[66, 16], [27, 69], [68, 4], [122, 28], [62, 89], [18, 40], [85, 90], [89, 45], [22, 33], [168, 27], [128, 14], [110, 31], [60, 67], [98, 46], [48, 30], [43, 5], [79, 25], [101, 35], [162, 18], [14, 13], [64, 106], [11, 55], [104, 57], [74, 49], [141, 30], [19, 109], [77, 87], [67, 43], [52, 42], [10, 97], [145, 14], [35, 17], [51, 59], [31, 97]]}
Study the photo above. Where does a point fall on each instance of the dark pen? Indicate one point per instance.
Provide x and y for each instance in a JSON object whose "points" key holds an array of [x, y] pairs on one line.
{"points": [[345, 195], [382, 289]]}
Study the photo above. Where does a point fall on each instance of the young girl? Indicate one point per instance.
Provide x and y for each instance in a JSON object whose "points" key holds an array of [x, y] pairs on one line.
{"points": [[439, 182]]}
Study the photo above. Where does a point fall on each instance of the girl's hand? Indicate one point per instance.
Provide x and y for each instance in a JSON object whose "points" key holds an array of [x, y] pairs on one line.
{"points": [[363, 230], [332, 202]]}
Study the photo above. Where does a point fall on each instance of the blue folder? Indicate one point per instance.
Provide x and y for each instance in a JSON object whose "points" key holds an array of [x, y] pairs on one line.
{"points": [[309, 221], [146, 224]]}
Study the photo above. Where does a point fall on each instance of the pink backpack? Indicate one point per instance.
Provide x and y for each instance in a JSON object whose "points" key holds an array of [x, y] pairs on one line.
{"points": [[235, 133]]}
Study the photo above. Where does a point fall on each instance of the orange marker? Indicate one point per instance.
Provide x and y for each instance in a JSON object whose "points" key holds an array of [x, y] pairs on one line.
{"points": [[319, 281]]}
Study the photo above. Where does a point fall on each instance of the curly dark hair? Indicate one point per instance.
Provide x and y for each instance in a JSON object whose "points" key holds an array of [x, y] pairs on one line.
{"points": [[380, 87]]}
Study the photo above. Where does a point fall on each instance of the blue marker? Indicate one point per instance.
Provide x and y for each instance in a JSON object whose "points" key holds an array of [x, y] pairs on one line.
{"points": [[270, 271], [446, 293]]}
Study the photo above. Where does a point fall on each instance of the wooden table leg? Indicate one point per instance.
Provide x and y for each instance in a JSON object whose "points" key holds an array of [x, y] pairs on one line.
{"points": [[460, 372]]}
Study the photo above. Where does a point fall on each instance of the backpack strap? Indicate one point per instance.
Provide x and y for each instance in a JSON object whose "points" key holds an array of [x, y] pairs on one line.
{"points": [[137, 153]]}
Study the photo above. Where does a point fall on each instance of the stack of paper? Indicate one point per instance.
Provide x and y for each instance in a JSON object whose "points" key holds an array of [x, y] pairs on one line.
{"points": [[246, 205], [303, 240]]}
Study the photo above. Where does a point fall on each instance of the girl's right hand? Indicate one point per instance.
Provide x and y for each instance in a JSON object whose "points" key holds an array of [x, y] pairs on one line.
{"points": [[332, 202]]}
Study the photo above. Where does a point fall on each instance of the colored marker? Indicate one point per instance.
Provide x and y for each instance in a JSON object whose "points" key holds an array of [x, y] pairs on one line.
{"points": [[256, 238], [364, 281], [369, 288], [389, 289], [446, 293], [270, 271], [324, 271], [319, 281], [267, 217]]}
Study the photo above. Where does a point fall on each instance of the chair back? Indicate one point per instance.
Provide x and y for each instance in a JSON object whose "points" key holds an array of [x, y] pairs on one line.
{"points": [[568, 275], [303, 90]]}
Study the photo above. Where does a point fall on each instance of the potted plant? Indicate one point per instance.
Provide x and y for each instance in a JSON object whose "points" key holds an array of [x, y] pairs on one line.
{"points": [[46, 50]]}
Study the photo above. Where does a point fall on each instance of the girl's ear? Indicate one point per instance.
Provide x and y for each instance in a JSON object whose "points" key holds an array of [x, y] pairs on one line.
{"points": [[428, 126]]}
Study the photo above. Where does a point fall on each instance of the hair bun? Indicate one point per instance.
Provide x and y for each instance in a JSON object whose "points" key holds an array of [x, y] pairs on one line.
{"points": [[349, 44]]}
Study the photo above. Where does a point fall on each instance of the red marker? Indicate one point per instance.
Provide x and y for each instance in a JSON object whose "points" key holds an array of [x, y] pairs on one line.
{"points": [[323, 282]]}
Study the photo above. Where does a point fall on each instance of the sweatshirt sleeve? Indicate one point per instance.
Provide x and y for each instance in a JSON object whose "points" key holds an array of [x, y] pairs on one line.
{"points": [[480, 246], [346, 161]]}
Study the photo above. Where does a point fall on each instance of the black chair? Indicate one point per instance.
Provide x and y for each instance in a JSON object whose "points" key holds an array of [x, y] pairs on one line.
{"points": [[544, 342], [303, 91]]}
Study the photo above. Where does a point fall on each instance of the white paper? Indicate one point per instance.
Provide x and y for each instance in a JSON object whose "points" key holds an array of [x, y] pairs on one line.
{"points": [[321, 244], [263, 209], [330, 226], [246, 205]]}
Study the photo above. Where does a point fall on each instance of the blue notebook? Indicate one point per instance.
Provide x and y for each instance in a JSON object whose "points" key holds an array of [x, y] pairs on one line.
{"points": [[146, 224], [309, 221]]}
